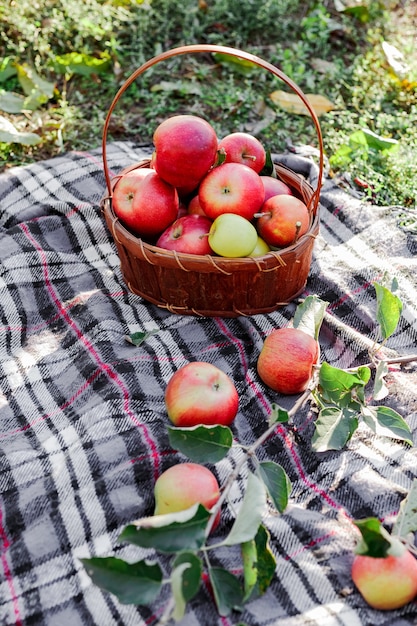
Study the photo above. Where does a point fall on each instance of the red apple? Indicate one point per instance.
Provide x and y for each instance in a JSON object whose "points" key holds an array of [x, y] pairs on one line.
{"points": [[145, 203], [243, 148], [231, 188], [286, 360], [187, 234], [201, 393], [387, 582], [185, 484], [194, 206], [283, 219], [185, 149], [274, 187]]}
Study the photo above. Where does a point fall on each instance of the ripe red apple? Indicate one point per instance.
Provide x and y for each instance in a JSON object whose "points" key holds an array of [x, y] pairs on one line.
{"points": [[387, 582], [231, 188], [286, 360], [185, 484], [201, 393], [187, 234], [145, 203], [185, 149], [283, 219], [194, 206], [243, 148], [274, 187]]}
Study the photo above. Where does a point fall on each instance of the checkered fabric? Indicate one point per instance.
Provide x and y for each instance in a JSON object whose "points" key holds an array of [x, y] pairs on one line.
{"points": [[83, 423]]}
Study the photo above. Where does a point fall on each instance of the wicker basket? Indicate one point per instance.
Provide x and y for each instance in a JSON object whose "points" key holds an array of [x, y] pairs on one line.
{"points": [[208, 285]]}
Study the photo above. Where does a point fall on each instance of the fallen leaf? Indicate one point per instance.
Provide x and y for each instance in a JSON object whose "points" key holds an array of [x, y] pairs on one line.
{"points": [[396, 60], [292, 103]]}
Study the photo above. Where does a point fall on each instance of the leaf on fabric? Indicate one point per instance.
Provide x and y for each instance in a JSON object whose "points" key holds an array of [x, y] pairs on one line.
{"points": [[309, 315], [385, 422], [138, 338], [406, 520], [258, 564], [292, 103], [228, 592], [278, 415], [173, 532], [337, 386], [277, 483], [191, 576], [202, 444], [132, 583], [389, 309], [250, 512], [380, 388], [334, 427]]}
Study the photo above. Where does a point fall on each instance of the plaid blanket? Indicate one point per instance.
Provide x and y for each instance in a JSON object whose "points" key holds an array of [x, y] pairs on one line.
{"points": [[83, 422]]}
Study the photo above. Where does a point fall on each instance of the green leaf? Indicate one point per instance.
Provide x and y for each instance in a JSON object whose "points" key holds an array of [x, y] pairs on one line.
{"points": [[376, 541], [191, 577], [242, 66], [333, 428], [7, 69], [385, 422], [177, 579], [138, 338], [37, 90], [11, 102], [228, 592], [406, 521], [258, 564], [83, 64], [10, 134], [309, 315], [337, 385], [269, 168], [250, 512], [378, 143], [132, 583], [173, 532], [278, 415], [202, 444], [380, 388], [389, 309], [277, 483]]}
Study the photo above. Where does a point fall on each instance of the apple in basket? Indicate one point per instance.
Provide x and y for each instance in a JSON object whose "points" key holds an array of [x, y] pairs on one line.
{"points": [[185, 484], [188, 234], [185, 150], [274, 187], [243, 148], [286, 360], [201, 393], [144, 202], [232, 236], [231, 188], [282, 220]]}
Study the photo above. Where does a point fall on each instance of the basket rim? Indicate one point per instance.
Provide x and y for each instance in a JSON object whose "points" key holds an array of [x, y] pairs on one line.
{"points": [[153, 254]]}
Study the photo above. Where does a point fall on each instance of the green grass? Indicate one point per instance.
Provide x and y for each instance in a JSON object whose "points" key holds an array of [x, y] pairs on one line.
{"points": [[337, 54]]}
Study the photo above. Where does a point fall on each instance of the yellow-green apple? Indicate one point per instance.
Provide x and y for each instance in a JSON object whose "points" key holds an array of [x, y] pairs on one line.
{"points": [[243, 148], [187, 234], [232, 236], [282, 220], [274, 187], [286, 360], [388, 582], [185, 484], [185, 150], [231, 188], [201, 393], [144, 202], [260, 249]]}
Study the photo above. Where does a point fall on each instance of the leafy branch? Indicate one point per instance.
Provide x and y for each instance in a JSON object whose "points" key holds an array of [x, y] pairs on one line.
{"points": [[185, 537]]}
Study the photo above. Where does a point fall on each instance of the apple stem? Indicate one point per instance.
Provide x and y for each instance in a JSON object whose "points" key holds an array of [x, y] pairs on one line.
{"points": [[252, 157], [264, 214], [297, 230]]}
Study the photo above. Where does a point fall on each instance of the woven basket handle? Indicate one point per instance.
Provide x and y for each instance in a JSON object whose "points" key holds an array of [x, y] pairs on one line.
{"points": [[196, 48]]}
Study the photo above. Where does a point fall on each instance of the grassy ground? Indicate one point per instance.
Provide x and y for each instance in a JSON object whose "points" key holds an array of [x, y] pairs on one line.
{"points": [[55, 92]]}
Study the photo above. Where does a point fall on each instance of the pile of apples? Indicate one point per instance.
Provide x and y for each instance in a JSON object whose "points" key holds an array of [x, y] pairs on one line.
{"points": [[201, 195]]}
